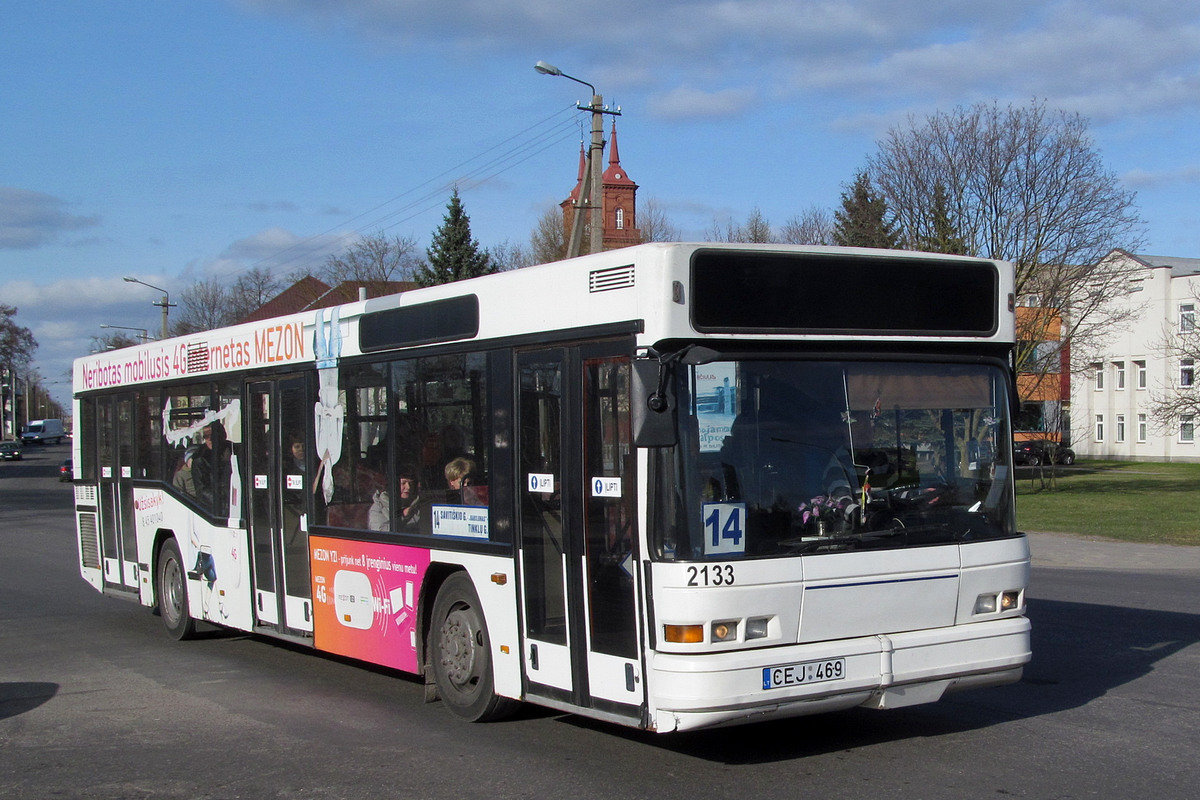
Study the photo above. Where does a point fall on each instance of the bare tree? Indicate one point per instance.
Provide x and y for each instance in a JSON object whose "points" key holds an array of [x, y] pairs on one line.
{"points": [[814, 226], [1180, 347], [16, 341], [509, 256], [548, 240], [113, 341], [252, 290], [654, 224], [377, 258], [203, 306], [755, 229], [1022, 184]]}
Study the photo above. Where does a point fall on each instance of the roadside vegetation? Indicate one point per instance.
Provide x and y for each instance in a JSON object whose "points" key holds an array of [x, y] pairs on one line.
{"points": [[1154, 503]]}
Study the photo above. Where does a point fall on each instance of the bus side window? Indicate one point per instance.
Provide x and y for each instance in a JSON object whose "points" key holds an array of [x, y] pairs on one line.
{"points": [[361, 492]]}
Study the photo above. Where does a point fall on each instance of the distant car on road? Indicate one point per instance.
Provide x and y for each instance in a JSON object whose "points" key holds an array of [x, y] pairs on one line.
{"points": [[44, 431], [65, 471], [1037, 451], [10, 451]]}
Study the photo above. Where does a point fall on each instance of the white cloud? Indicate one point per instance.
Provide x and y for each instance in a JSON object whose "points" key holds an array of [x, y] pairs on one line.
{"points": [[685, 102], [1099, 57], [31, 219], [1147, 179]]}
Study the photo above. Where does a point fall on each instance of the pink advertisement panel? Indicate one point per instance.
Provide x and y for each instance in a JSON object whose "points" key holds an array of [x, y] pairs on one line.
{"points": [[365, 600]]}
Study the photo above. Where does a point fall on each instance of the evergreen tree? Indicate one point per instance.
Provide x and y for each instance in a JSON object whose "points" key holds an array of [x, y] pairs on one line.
{"points": [[454, 255], [943, 236], [863, 219]]}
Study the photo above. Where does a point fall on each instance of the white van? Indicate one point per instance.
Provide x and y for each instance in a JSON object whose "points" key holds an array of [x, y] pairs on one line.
{"points": [[43, 431]]}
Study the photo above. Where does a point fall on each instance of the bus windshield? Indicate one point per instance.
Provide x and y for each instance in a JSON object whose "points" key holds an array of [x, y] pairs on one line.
{"points": [[779, 458]]}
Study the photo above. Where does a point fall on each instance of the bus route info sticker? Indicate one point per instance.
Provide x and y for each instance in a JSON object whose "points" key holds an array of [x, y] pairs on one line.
{"points": [[364, 600]]}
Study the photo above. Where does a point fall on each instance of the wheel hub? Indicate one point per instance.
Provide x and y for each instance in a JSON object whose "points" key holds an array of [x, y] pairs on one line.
{"points": [[458, 647]]}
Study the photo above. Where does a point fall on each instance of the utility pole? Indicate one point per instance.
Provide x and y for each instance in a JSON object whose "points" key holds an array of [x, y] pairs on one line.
{"points": [[591, 192], [595, 162], [165, 302]]}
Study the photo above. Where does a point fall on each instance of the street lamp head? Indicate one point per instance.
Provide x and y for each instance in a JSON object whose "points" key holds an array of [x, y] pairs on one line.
{"points": [[550, 69], [128, 279]]}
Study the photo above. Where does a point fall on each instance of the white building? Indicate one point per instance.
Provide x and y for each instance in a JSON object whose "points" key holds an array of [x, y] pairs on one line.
{"points": [[1111, 401]]}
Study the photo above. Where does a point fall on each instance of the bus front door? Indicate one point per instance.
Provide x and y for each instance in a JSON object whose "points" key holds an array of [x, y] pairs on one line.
{"points": [[118, 542], [577, 537], [279, 486]]}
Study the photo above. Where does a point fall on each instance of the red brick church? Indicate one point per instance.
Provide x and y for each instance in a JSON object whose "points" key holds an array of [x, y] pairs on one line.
{"points": [[618, 200]]}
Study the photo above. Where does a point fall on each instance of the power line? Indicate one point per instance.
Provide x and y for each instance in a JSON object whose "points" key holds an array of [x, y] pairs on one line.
{"points": [[526, 147]]}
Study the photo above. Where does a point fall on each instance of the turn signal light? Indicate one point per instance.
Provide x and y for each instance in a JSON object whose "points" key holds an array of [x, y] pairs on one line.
{"points": [[683, 634], [1009, 600]]}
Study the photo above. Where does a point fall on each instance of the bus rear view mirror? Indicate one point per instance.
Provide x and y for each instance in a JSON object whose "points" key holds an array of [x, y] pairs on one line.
{"points": [[654, 395], [653, 411]]}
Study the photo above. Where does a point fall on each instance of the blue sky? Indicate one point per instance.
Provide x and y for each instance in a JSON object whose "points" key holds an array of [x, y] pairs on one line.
{"points": [[179, 141]]}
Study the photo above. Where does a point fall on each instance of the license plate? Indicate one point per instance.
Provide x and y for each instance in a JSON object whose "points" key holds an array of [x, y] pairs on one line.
{"points": [[827, 669]]}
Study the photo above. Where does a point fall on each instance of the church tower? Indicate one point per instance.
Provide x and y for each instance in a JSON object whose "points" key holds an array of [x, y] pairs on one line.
{"points": [[618, 199]]}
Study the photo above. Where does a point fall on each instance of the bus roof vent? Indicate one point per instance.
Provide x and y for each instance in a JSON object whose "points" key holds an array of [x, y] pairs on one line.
{"points": [[606, 280]]}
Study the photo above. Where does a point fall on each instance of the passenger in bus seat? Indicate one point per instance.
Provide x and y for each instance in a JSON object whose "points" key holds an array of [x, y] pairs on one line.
{"points": [[211, 466], [461, 480], [410, 505], [183, 479]]}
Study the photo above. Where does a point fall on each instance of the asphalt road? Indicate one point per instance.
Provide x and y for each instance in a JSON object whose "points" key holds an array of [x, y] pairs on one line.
{"points": [[96, 702]]}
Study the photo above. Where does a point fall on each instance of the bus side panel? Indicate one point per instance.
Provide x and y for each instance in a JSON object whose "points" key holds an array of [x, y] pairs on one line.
{"points": [[217, 559], [366, 597], [495, 580], [87, 534]]}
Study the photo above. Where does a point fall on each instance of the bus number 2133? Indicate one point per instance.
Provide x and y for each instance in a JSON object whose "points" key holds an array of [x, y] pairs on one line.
{"points": [[711, 575]]}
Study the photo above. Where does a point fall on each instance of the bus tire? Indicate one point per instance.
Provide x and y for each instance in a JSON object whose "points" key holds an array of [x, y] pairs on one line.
{"points": [[172, 591], [461, 654]]}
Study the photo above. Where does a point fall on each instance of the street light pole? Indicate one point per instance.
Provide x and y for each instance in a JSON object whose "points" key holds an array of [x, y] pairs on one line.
{"points": [[592, 188], [165, 302], [145, 334]]}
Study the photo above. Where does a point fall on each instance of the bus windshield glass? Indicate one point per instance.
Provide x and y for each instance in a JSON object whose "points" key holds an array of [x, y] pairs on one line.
{"points": [[779, 458]]}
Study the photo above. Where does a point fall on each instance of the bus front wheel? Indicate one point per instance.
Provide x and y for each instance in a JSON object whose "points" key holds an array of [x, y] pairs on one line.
{"points": [[172, 592], [461, 654]]}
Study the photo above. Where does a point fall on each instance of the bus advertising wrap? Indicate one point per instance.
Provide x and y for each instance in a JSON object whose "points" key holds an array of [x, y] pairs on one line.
{"points": [[364, 599], [266, 344]]}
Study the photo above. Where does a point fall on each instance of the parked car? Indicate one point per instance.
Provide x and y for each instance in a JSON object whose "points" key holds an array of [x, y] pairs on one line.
{"points": [[10, 451], [1037, 451], [65, 471]]}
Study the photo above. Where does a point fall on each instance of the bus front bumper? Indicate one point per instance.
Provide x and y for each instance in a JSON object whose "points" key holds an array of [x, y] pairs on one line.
{"points": [[882, 671]]}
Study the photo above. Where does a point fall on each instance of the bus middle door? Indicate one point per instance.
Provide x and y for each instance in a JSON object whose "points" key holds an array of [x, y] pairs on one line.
{"points": [[279, 486]]}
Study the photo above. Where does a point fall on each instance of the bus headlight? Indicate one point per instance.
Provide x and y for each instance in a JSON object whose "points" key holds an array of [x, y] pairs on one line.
{"points": [[1004, 601], [985, 604], [757, 628]]}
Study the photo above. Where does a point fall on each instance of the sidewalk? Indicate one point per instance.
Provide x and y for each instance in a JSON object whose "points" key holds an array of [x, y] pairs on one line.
{"points": [[1060, 550]]}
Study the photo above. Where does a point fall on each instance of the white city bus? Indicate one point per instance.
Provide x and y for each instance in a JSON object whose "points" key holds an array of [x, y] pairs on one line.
{"points": [[671, 486]]}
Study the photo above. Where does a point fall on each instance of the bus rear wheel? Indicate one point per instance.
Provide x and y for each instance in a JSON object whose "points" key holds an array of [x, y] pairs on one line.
{"points": [[171, 585], [462, 654]]}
